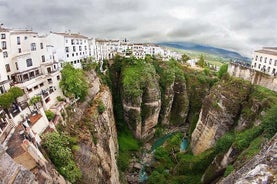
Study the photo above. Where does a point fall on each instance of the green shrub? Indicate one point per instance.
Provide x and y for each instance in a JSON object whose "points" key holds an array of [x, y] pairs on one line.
{"points": [[59, 148], [50, 115], [101, 107], [269, 122], [60, 99], [228, 170], [222, 71], [224, 142]]}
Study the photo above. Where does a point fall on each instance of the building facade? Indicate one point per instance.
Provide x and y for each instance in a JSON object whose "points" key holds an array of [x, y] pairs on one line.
{"points": [[265, 60], [69, 47]]}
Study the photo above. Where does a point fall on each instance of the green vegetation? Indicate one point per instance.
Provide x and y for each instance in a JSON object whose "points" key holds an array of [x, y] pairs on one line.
{"points": [[9, 97], [222, 71], [73, 82], [185, 58], [50, 115], [135, 77], [101, 107], [59, 148], [228, 170], [201, 61], [224, 142]]}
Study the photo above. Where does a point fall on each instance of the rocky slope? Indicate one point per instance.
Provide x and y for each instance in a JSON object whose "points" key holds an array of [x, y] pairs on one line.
{"points": [[93, 122], [260, 169], [220, 110]]}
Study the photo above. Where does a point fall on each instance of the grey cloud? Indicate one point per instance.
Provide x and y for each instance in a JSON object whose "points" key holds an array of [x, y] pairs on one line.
{"points": [[233, 24]]}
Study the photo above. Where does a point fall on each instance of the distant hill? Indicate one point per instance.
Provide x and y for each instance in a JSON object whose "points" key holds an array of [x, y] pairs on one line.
{"points": [[206, 49]]}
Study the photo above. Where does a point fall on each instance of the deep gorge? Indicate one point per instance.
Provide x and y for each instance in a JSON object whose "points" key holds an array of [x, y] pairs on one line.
{"points": [[226, 121]]}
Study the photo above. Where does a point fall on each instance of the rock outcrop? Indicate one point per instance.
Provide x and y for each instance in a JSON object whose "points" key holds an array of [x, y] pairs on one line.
{"points": [[260, 169], [175, 103], [220, 110], [142, 112], [93, 122], [11, 172]]}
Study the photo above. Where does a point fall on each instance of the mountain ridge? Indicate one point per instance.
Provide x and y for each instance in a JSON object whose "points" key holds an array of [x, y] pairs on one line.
{"points": [[206, 49]]}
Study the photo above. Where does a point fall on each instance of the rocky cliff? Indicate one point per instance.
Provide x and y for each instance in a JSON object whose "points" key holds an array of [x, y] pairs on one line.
{"points": [[11, 172], [141, 99], [220, 111], [260, 169], [93, 123]]}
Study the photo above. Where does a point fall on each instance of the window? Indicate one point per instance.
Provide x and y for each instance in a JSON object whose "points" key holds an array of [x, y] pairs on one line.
{"points": [[16, 65], [76, 54], [41, 45], [18, 40], [85, 47], [25, 38], [66, 49], [268, 69], [259, 66], [43, 58], [29, 62], [35, 87], [265, 59], [33, 46], [72, 42], [270, 61], [19, 50], [67, 55], [275, 63], [58, 77], [3, 36], [4, 45], [8, 69], [256, 58], [72, 54], [273, 71], [74, 49], [41, 84], [80, 48], [255, 64], [66, 41], [261, 59], [5, 54]]}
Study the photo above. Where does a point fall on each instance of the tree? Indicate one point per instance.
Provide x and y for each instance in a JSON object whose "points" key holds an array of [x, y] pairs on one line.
{"points": [[16, 92], [223, 70], [34, 100], [185, 58], [201, 61], [73, 82], [9, 97]]}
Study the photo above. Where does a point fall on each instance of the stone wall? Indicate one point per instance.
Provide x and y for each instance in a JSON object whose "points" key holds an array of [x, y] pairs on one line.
{"points": [[255, 77]]}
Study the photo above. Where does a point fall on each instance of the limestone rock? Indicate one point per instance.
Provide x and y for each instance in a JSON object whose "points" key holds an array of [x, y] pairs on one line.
{"points": [[219, 110]]}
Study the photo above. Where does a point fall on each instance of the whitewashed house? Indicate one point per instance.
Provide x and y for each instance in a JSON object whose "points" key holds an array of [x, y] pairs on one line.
{"points": [[70, 47], [265, 60]]}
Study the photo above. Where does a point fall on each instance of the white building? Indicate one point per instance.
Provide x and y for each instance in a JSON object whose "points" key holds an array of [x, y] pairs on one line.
{"points": [[265, 60], [70, 47]]}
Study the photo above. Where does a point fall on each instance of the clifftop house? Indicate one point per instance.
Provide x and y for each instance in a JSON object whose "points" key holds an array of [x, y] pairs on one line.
{"points": [[265, 60]]}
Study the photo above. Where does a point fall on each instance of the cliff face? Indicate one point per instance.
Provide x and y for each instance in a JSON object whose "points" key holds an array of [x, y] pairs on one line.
{"points": [[220, 109], [11, 172], [260, 169], [93, 122], [175, 103], [142, 112]]}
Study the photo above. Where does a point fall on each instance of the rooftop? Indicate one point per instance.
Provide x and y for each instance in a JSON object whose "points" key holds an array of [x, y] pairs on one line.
{"points": [[71, 35], [269, 52]]}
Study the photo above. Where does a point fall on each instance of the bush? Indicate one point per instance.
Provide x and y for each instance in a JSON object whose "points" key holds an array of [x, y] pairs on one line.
{"points": [[59, 148], [223, 70], [269, 123], [224, 142], [228, 170], [50, 115], [101, 107]]}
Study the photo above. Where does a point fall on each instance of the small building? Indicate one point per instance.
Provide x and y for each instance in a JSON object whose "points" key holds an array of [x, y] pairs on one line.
{"points": [[265, 60]]}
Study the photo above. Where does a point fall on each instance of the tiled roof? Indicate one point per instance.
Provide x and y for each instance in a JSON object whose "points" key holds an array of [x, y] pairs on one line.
{"points": [[269, 52], [71, 35]]}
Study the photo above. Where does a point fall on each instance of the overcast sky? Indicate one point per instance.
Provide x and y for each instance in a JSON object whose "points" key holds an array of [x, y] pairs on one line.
{"points": [[238, 25]]}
